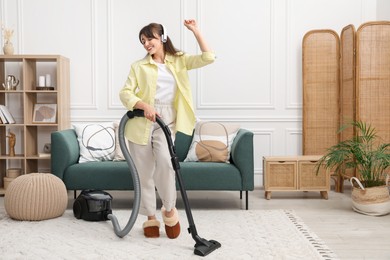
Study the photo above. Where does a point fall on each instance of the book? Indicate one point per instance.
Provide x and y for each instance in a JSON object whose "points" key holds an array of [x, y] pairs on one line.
{"points": [[44, 155], [7, 115], [3, 119]]}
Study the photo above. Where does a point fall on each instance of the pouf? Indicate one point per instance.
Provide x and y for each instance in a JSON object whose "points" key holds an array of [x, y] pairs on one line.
{"points": [[36, 196]]}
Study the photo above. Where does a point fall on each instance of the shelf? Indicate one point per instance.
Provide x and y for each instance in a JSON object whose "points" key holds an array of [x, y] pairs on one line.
{"points": [[31, 137], [41, 124], [12, 91], [41, 91], [21, 57], [16, 157], [16, 124]]}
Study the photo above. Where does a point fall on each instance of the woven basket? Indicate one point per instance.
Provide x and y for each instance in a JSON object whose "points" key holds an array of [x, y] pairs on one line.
{"points": [[321, 82], [374, 201]]}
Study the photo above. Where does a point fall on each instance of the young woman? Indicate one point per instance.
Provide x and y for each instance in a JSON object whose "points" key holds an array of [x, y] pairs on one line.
{"points": [[159, 85]]}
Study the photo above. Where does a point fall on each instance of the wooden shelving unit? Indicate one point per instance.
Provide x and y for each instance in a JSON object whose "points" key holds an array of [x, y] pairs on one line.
{"points": [[32, 135]]}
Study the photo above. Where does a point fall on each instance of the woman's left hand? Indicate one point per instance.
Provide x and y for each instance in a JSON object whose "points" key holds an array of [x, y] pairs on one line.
{"points": [[191, 25]]}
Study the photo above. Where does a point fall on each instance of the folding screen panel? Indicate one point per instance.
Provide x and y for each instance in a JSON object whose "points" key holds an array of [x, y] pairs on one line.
{"points": [[347, 91], [373, 76], [321, 77], [347, 80]]}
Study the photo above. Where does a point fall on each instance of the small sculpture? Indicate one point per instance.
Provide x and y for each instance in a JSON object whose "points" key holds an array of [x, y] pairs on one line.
{"points": [[11, 143], [11, 83]]}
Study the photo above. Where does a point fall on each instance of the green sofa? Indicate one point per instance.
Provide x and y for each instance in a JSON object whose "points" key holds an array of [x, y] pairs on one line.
{"points": [[114, 175]]}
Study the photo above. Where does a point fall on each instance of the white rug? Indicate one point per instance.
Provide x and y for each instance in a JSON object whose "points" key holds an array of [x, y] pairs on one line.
{"points": [[252, 234]]}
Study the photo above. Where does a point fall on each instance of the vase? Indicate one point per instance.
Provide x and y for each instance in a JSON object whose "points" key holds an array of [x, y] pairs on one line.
{"points": [[8, 48]]}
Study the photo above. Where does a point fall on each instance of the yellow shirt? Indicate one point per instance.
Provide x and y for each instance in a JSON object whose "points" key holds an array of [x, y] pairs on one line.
{"points": [[141, 85]]}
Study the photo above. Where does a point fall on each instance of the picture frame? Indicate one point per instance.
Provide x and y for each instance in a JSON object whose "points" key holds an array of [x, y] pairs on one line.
{"points": [[45, 114]]}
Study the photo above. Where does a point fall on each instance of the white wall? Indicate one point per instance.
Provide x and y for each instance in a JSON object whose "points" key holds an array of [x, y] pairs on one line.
{"points": [[256, 80], [383, 7]]}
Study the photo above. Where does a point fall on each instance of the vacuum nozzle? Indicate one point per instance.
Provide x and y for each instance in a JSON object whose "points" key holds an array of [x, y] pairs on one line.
{"points": [[204, 247]]}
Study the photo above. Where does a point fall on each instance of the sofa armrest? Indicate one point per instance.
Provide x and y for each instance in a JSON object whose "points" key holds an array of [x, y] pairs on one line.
{"points": [[242, 157], [65, 151]]}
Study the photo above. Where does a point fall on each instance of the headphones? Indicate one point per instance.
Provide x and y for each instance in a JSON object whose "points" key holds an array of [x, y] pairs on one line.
{"points": [[164, 35]]}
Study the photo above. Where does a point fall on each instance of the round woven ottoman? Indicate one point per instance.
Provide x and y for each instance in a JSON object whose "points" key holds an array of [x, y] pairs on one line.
{"points": [[36, 196]]}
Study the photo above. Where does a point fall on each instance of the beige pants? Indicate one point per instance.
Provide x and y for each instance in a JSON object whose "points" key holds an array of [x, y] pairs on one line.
{"points": [[154, 166]]}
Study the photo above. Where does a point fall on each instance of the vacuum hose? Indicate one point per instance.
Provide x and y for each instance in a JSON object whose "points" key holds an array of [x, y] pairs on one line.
{"points": [[134, 174], [202, 246]]}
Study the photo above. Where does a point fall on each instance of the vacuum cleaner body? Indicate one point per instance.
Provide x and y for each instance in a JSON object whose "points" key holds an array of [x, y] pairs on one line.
{"points": [[92, 205]]}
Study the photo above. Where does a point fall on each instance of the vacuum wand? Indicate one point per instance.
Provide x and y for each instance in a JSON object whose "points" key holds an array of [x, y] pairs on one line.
{"points": [[202, 246]]}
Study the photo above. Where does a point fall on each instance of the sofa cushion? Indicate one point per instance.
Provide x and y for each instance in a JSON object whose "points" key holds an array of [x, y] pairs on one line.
{"points": [[105, 175], [210, 176], [99, 175], [96, 141], [212, 142]]}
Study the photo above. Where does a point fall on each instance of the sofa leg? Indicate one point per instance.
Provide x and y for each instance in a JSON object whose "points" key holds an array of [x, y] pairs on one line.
{"points": [[74, 194], [240, 194], [246, 195]]}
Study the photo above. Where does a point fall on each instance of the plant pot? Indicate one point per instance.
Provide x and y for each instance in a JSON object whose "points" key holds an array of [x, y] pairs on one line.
{"points": [[373, 201]]}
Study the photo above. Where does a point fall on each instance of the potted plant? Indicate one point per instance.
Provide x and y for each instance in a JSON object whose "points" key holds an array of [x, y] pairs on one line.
{"points": [[366, 154]]}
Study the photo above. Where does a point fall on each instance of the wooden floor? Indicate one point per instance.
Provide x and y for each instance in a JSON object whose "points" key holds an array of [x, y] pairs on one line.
{"points": [[349, 234]]}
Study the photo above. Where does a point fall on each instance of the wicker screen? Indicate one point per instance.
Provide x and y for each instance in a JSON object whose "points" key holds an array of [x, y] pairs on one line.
{"points": [[321, 74], [347, 84], [373, 76], [347, 80]]}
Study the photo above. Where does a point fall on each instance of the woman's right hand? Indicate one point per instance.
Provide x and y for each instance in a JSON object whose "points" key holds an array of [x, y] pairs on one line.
{"points": [[149, 111], [150, 114]]}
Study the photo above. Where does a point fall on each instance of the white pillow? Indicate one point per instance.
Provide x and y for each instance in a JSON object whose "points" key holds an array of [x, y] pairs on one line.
{"points": [[212, 142], [118, 151], [96, 141]]}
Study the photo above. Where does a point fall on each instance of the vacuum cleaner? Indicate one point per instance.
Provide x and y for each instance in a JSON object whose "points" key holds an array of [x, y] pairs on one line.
{"points": [[94, 205]]}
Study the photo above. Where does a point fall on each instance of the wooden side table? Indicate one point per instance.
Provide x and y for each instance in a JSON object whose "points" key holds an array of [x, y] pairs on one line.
{"points": [[294, 173]]}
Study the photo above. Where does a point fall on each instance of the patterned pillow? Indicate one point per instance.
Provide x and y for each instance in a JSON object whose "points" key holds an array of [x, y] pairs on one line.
{"points": [[118, 151], [96, 141], [212, 142]]}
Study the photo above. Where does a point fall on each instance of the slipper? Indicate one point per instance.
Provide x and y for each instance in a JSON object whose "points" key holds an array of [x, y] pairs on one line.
{"points": [[172, 224], [151, 228]]}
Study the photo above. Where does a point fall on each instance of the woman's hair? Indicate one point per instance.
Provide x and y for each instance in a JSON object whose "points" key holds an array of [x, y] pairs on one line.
{"points": [[154, 28]]}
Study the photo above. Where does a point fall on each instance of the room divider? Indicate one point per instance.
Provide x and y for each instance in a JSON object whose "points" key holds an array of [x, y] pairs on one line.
{"points": [[345, 78]]}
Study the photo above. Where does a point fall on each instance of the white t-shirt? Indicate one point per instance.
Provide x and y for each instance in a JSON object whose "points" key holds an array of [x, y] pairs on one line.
{"points": [[166, 84]]}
